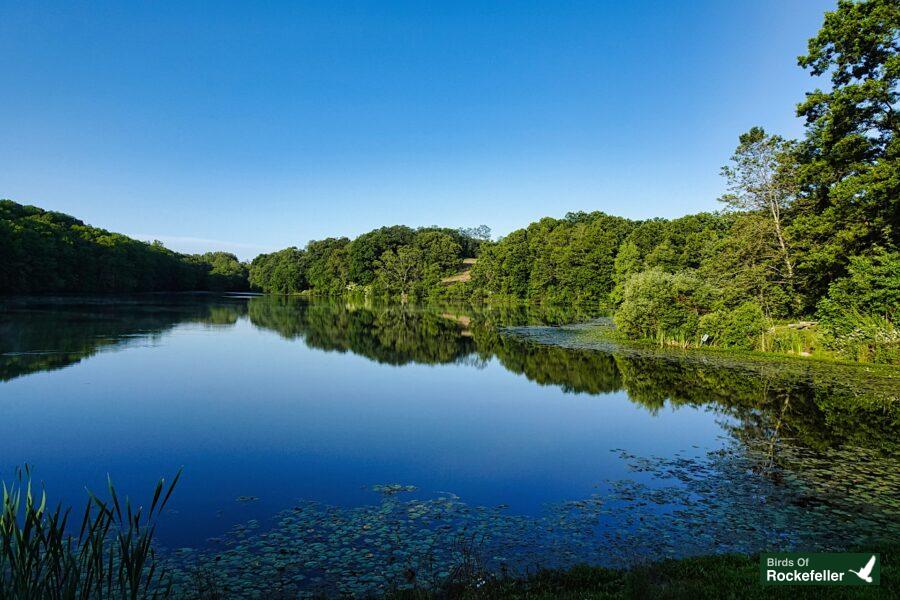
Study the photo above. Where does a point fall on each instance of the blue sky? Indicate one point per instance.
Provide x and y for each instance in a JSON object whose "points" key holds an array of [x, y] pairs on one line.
{"points": [[254, 126]]}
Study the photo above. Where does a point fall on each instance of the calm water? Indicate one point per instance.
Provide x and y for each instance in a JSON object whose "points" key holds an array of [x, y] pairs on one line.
{"points": [[555, 454]]}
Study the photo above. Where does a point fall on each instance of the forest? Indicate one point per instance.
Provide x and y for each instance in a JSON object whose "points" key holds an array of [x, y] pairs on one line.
{"points": [[48, 252], [802, 258]]}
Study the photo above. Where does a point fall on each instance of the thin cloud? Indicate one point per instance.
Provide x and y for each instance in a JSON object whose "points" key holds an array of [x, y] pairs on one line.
{"points": [[196, 242]]}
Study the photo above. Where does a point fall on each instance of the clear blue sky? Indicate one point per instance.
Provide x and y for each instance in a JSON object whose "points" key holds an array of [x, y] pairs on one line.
{"points": [[259, 125]]}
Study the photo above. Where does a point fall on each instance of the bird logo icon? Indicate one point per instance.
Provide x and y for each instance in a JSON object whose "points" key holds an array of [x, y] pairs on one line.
{"points": [[866, 572]]}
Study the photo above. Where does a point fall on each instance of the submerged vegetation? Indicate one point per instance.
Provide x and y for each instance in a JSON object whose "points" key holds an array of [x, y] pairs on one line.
{"points": [[408, 546], [796, 436], [437, 544]]}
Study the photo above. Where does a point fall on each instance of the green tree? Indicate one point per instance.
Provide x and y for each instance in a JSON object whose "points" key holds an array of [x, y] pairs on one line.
{"points": [[223, 271], [326, 264], [656, 304], [440, 252], [398, 270], [568, 260], [49, 252], [872, 287], [849, 162], [367, 249], [280, 272], [761, 180], [861, 311], [743, 264]]}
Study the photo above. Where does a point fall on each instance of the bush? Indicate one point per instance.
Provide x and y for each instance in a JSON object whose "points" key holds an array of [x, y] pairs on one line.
{"points": [[787, 339], [663, 305], [871, 287], [864, 338], [859, 315], [740, 328]]}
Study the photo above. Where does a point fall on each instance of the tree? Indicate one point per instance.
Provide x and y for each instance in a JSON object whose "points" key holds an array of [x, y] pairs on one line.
{"points": [[568, 260], [659, 304], [860, 314], [761, 179], [872, 287], [281, 272], [482, 232], [223, 271], [439, 251], [398, 270], [326, 265], [367, 249], [743, 264], [48, 252], [849, 161]]}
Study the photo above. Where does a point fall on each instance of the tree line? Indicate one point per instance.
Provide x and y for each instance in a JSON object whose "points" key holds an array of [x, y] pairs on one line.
{"points": [[809, 227], [49, 252], [397, 262], [809, 230]]}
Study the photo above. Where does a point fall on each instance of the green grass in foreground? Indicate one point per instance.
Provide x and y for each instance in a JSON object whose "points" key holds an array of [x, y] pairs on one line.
{"points": [[725, 576]]}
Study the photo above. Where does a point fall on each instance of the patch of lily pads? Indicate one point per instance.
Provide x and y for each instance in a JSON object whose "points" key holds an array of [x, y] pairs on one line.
{"points": [[745, 497]]}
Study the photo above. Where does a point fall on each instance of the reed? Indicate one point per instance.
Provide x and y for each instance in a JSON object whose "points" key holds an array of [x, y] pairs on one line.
{"points": [[109, 556]]}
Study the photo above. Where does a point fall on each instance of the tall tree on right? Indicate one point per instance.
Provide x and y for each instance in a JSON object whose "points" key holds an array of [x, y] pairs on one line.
{"points": [[849, 162]]}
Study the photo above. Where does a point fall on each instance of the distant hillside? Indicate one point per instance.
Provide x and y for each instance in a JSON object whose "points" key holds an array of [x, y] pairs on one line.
{"points": [[49, 252]]}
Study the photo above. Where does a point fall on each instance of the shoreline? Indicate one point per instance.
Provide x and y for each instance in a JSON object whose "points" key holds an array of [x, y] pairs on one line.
{"points": [[598, 335]]}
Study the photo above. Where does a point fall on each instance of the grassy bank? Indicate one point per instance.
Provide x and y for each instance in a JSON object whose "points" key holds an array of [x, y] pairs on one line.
{"points": [[726, 576], [786, 346]]}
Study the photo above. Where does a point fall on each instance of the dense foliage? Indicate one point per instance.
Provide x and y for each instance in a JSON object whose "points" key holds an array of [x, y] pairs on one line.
{"points": [[49, 252], [860, 313], [396, 261], [567, 260], [849, 163], [809, 228]]}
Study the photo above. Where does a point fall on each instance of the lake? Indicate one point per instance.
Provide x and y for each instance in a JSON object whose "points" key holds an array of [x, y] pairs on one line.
{"points": [[345, 446]]}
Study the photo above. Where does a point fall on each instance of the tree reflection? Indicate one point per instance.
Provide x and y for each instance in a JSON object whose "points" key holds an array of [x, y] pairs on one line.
{"points": [[48, 333], [817, 406]]}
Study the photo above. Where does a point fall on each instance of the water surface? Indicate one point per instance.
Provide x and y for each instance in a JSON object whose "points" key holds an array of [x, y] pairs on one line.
{"points": [[287, 415]]}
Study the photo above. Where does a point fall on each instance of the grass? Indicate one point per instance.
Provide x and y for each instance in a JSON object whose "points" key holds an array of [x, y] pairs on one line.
{"points": [[110, 557], [705, 577], [791, 353]]}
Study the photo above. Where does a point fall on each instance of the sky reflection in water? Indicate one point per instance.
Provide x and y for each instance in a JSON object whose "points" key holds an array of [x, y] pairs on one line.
{"points": [[272, 401]]}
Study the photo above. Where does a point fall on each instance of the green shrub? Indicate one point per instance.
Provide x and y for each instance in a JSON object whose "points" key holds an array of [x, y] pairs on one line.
{"points": [[864, 338], [785, 339], [740, 328], [665, 306], [859, 315], [871, 287]]}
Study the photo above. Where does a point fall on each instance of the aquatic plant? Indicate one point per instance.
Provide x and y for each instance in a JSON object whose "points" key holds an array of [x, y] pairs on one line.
{"points": [[745, 497], [111, 556]]}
